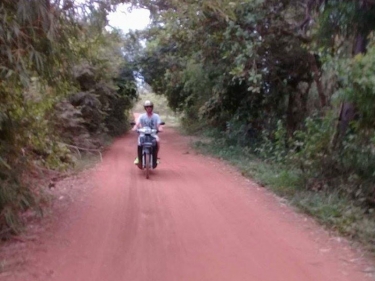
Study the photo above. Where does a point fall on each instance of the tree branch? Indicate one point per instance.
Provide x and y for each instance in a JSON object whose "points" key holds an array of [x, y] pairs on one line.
{"points": [[77, 148], [302, 38]]}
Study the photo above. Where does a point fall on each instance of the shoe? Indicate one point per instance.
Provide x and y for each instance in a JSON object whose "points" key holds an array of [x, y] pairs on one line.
{"points": [[136, 161], [158, 161]]}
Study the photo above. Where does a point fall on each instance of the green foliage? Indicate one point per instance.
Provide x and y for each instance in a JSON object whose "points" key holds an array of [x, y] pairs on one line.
{"points": [[234, 67], [107, 83], [274, 146], [358, 85], [332, 208], [46, 103], [270, 77], [343, 20], [311, 150], [347, 169], [258, 73], [337, 17], [35, 57], [339, 213], [14, 198], [160, 103]]}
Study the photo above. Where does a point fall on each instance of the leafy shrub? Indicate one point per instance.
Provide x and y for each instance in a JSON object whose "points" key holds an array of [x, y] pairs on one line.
{"points": [[274, 145], [311, 149]]}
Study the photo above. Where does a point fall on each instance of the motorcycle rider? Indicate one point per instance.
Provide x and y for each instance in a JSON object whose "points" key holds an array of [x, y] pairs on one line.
{"points": [[152, 120]]}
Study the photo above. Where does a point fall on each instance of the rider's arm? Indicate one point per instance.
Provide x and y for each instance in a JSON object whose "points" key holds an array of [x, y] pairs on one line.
{"points": [[137, 124], [160, 127]]}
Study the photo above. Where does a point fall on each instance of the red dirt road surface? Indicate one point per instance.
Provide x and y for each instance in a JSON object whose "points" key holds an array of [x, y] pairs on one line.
{"points": [[195, 219]]}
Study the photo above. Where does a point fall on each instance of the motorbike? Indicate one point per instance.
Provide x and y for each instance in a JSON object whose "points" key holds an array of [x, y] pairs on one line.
{"points": [[148, 144]]}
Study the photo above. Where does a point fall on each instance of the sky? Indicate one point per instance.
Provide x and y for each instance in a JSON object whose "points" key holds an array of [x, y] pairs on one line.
{"points": [[137, 19]]}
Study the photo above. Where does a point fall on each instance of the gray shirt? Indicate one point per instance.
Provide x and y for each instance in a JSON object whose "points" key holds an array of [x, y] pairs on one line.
{"points": [[153, 122]]}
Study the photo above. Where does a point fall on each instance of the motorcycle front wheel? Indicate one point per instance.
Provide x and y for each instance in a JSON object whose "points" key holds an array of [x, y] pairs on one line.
{"points": [[147, 158]]}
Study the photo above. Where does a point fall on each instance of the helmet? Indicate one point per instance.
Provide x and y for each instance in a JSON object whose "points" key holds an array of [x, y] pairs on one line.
{"points": [[148, 103]]}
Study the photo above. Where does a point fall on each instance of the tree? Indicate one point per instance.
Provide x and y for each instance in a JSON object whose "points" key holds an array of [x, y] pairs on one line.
{"points": [[42, 42]]}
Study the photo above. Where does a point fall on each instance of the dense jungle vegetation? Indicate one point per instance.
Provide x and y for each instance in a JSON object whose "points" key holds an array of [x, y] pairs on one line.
{"points": [[64, 87], [291, 82]]}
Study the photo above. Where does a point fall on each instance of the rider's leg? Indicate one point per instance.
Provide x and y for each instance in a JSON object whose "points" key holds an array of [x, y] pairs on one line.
{"points": [[139, 153], [157, 148], [155, 154], [139, 149], [157, 145]]}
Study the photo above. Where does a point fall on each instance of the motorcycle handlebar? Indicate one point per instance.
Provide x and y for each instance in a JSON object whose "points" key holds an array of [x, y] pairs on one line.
{"points": [[138, 129]]}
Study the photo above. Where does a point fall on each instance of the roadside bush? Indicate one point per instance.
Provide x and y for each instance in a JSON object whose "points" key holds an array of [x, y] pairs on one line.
{"points": [[274, 145], [311, 151]]}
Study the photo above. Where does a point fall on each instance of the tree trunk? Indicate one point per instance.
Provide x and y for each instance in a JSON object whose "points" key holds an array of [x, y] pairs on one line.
{"points": [[290, 118], [348, 111], [304, 95], [319, 86]]}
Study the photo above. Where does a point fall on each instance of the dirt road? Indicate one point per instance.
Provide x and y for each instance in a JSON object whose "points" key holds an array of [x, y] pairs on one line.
{"points": [[196, 219]]}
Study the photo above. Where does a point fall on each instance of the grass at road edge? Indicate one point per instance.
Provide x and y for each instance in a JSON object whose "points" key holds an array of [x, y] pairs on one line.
{"points": [[335, 212]]}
